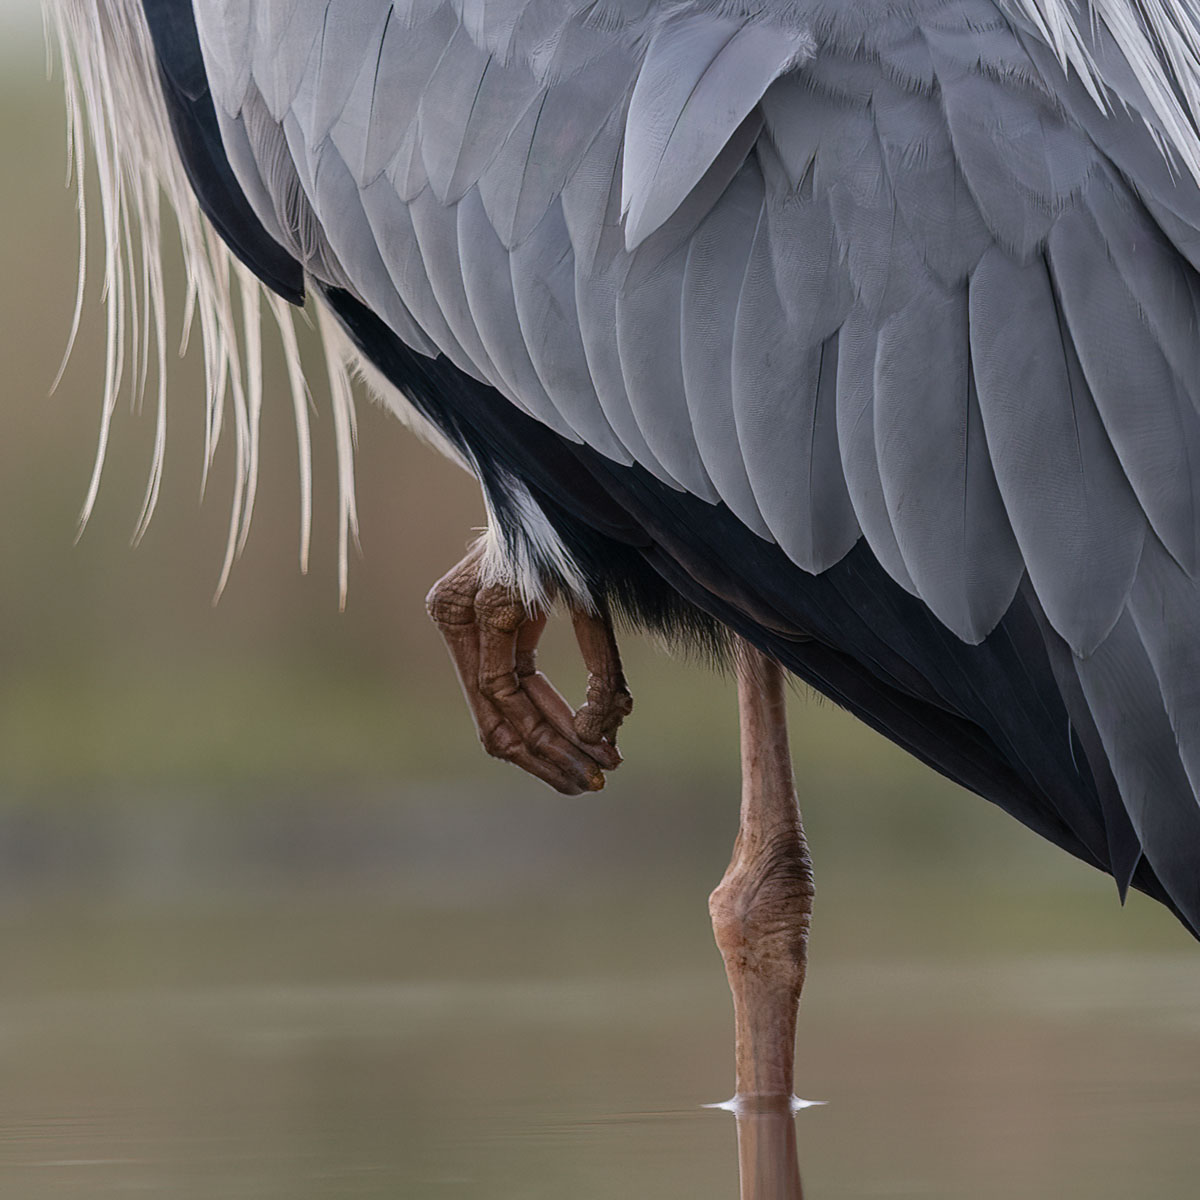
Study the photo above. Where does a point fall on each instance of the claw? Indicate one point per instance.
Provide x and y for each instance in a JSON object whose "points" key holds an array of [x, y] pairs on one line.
{"points": [[519, 716]]}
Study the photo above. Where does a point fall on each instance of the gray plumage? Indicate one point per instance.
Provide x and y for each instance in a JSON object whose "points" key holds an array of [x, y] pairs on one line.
{"points": [[877, 271], [1077, 521], [702, 74]]}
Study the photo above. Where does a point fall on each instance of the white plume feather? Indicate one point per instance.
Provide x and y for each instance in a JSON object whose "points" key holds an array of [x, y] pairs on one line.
{"points": [[115, 105]]}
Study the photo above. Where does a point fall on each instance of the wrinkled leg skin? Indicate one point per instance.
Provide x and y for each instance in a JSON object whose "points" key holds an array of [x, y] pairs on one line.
{"points": [[762, 908], [492, 638]]}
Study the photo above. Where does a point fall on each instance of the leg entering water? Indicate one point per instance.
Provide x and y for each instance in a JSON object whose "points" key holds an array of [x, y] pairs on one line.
{"points": [[762, 907]]}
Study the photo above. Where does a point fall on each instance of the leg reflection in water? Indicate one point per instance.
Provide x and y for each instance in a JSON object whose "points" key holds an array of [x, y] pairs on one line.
{"points": [[768, 1166], [767, 1163]]}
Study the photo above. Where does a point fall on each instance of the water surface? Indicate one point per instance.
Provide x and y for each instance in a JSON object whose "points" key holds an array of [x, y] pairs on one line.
{"points": [[308, 1043]]}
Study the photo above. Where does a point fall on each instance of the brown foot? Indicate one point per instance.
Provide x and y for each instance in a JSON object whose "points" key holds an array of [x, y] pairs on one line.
{"points": [[762, 907], [492, 638]]}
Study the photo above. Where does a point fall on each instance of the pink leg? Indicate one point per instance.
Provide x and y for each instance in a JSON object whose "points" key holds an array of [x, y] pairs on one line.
{"points": [[762, 907]]}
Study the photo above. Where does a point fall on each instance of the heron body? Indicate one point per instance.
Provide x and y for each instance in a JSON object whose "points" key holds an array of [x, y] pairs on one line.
{"points": [[866, 332]]}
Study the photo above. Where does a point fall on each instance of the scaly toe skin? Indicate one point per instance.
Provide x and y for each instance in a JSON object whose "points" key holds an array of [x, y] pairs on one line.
{"points": [[545, 762], [608, 700], [559, 713], [590, 734], [596, 724]]}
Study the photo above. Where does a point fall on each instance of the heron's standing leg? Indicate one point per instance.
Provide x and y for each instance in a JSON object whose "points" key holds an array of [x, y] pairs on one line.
{"points": [[762, 907], [492, 638]]}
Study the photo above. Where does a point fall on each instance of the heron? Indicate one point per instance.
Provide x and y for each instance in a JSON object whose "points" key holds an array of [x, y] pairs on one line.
{"points": [[855, 340]]}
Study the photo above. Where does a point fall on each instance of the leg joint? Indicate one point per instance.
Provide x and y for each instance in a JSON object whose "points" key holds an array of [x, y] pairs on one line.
{"points": [[451, 601], [762, 908]]}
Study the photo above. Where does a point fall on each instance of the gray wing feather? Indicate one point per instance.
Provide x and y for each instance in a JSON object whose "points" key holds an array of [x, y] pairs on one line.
{"points": [[591, 201], [1165, 606], [784, 392], [856, 345], [591, 210], [298, 211], [542, 271], [1166, 291], [348, 37], [1077, 522], [649, 318], [501, 94], [408, 56], [799, 121], [1126, 702], [406, 171], [806, 260], [649, 315], [456, 110], [941, 493], [489, 292], [504, 190], [904, 57], [596, 304], [492, 23], [267, 198], [674, 234], [391, 225], [701, 76], [928, 188], [446, 104], [538, 31], [1157, 442], [717, 255], [348, 131], [881, 258], [436, 230], [789, 437], [334, 190], [229, 39], [283, 49], [1042, 162], [549, 142]]}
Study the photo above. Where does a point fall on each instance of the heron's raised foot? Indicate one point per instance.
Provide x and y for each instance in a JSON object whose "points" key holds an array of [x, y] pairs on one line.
{"points": [[762, 908], [493, 637]]}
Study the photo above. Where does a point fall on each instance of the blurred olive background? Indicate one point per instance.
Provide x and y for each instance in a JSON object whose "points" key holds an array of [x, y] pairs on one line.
{"points": [[272, 924]]}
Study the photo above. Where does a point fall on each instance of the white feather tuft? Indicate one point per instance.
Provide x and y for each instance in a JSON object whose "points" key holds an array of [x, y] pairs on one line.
{"points": [[114, 104], [534, 561]]}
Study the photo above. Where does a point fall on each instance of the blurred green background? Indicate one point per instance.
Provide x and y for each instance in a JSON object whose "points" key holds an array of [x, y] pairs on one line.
{"points": [[273, 924]]}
